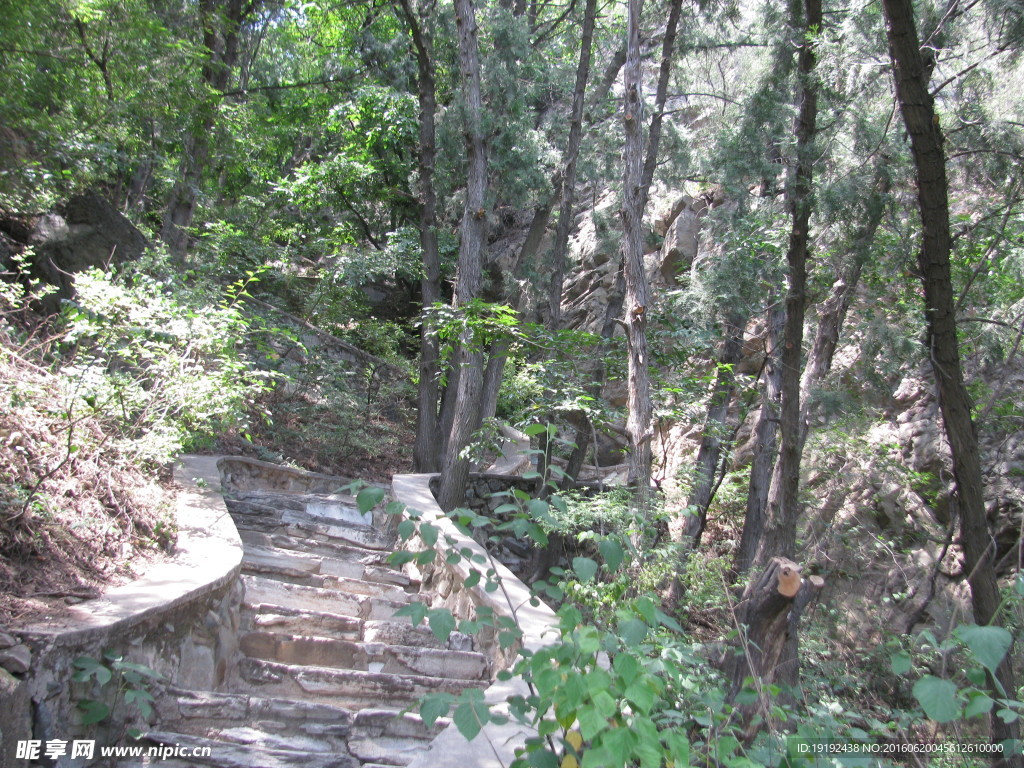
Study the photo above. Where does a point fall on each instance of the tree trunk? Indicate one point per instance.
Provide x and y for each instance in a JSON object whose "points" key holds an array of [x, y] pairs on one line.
{"points": [[768, 620], [425, 452], [468, 359], [765, 435], [221, 22], [572, 149], [926, 139], [638, 422], [710, 450], [778, 535], [637, 178]]}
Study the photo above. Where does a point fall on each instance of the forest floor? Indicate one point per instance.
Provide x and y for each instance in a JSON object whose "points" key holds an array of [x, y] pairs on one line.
{"points": [[75, 515]]}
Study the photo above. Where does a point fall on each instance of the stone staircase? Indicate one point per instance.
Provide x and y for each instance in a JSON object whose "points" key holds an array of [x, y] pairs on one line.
{"points": [[326, 671]]}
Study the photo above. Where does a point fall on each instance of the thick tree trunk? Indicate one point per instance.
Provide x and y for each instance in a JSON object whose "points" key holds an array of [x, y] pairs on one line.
{"points": [[426, 453], [768, 620], [469, 388], [918, 109], [778, 535]]}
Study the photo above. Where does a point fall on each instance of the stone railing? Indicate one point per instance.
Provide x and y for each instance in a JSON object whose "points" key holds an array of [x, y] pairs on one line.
{"points": [[495, 745], [180, 619]]}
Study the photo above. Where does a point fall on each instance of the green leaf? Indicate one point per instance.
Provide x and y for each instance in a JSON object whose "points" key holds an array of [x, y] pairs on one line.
{"points": [[442, 623], [471, 714], [627, 666], [89, 667], [429, 534], [435, 705], [612, 552], [416, 613], [473, 579], [978, 705], [988, 644], [591, 722], [585, 568], [900, 663], [632, 631], [641, 694], [937, 698], [535, 429], [93, 711], [368, 498], [406, 530]]}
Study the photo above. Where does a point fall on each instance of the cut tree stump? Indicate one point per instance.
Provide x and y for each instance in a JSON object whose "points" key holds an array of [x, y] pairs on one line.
{"points": [[768, 617]]}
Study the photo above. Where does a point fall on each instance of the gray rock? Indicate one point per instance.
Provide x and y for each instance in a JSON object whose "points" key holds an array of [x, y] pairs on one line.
{"points": [[17, 660]]}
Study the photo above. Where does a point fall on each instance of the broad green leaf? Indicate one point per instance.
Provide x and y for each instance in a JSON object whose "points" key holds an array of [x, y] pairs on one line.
{"points": [[988, 644], [641, 695], [584, 567], [368, 498], [93, 711], [429, 534], [535, 429], [591, 722], [937, 698], [435, 705], [612, 552], [416, 613], [978, 705], [900, 663], [471, 714], [627, 666], [442, 623], [632, 631]]}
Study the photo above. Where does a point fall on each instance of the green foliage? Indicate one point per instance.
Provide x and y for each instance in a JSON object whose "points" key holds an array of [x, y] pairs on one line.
{"points": [[162, 370], [116, 689]]}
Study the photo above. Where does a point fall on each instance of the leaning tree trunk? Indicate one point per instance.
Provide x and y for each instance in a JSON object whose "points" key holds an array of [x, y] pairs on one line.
{"points": [[468, 359], [425, 452], [926, 139]]}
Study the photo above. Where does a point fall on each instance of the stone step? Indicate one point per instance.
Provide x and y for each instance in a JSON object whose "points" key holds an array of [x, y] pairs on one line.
{"points": [[286, 570], [290, 621], [344, 553], [202, 713], [261, 591], [360, 564], [371, 657], [247, 750], [260, 516], [350, 688]]}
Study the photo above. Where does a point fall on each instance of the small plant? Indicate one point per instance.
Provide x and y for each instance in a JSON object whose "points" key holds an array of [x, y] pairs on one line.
{"points": [[119, 687]]}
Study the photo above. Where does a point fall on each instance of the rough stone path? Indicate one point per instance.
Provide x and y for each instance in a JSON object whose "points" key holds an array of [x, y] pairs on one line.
{"points": [[326, 669]]}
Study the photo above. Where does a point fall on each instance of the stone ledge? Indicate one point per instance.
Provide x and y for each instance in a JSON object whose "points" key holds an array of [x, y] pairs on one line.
{"points": [[208, 556], [495, 746]]}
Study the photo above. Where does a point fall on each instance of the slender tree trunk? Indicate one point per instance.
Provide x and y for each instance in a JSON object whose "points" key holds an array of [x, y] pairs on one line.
{"points": [[637, 178], [466, 419], [832, 312], [778, 535], [710, 451], [926, 139], [638, 422], [765, 435], [572, 150], [426, 451], [221, 22]]}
